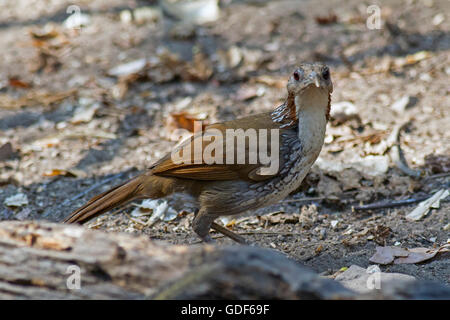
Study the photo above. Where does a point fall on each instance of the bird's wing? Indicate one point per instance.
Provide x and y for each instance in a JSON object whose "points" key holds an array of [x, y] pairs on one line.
{"points": [[199, 156]]}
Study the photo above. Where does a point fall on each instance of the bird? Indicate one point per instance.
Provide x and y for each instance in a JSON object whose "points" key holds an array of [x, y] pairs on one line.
{"points": [[224, 188]]}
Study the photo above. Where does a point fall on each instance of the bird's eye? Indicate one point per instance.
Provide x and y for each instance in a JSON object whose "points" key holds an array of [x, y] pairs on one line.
{"points": [[326, 74], [296, 76]]}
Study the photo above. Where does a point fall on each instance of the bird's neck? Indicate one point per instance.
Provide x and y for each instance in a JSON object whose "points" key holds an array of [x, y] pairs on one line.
{"points": [[309, 112], [312, 108]]}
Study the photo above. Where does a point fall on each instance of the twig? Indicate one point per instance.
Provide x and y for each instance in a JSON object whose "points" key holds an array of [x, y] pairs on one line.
{"points": [[391, 204], [348, 193], [273, 233], [438, 175], [304, 199], [397, 155]]}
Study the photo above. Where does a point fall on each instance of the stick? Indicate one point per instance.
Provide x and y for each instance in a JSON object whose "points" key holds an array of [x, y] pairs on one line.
{"points": [[398, 156], [391, 204]]}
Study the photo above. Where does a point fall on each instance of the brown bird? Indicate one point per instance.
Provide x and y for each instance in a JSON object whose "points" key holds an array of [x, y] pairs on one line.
{"points": [[294, 133]]}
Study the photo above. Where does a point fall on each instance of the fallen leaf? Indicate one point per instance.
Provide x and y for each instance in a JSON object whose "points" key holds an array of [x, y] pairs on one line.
{"points": [[159, 209], [7, 152], [67, 173], [324, 20], [84, 113], [319, 249], [45, 33], [417, 255], [424, 207], [128, 68], [34, 98], [54, 172], [17, 83], [403, 103], [387, 255], [185, 121]]}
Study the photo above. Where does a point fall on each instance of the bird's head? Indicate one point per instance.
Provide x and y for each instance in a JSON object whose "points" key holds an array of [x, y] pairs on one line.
{"points": [[310, 76]]}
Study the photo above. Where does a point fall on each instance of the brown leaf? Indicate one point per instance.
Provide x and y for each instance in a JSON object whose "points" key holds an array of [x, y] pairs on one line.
{"points": [[67, 173], [387, 255], [17, 83], [324, 20], [44, 34], [34, 98], [186, 121]]}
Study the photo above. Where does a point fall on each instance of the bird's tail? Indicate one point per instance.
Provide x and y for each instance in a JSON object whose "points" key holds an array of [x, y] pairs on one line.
{"points": [[108, 200]]}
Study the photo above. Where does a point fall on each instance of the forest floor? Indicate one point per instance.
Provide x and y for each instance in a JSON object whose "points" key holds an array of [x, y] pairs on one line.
{"points": [[70, 121]]}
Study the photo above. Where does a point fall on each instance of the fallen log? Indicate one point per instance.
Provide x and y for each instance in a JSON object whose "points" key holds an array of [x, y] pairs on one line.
{"points": [[42, 260]]}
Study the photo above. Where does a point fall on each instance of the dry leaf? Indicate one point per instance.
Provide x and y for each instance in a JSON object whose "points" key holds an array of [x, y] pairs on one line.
{"points": [[422, 209], [324, 20], [128, 68], [84, 113], [17, 83], [67, 173], [387, 255], [54, 172], [159, 209], [185, 121], [33, 98]]}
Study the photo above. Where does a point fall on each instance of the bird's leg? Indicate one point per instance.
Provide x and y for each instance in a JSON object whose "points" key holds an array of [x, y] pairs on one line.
{"points": [[202, 223], [230, 234]]}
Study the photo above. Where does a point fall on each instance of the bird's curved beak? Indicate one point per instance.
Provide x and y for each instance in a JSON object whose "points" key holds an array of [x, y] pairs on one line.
{"points": [[316, 81]]}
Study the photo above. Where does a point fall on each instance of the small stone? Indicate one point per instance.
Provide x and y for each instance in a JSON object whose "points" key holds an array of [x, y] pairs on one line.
{"points": [[126, 16], [17, 200], [403, 103]]}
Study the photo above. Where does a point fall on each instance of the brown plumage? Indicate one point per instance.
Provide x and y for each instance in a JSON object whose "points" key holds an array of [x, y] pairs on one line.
{"points": [[223, 188]]}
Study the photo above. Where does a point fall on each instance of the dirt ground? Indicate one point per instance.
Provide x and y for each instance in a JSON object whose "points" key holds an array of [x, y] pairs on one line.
{"points": [[73, 124]]}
